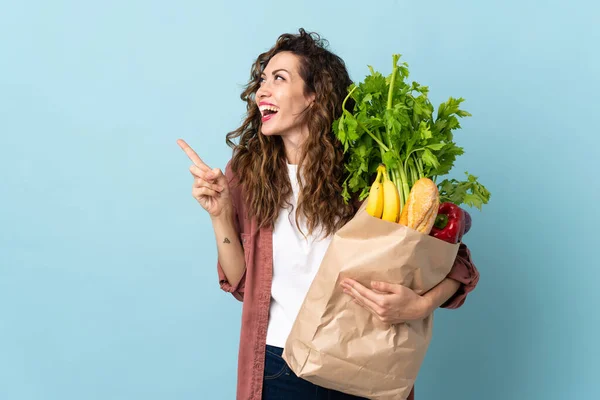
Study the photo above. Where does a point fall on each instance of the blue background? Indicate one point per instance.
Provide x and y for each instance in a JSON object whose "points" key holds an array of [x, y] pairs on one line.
{"points": [[108, 286]]}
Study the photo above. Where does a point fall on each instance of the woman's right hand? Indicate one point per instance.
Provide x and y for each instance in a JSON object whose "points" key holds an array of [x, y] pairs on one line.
{"points": [[210, 187]]}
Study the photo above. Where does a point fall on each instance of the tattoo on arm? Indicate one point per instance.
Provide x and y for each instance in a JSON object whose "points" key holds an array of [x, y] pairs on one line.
{"points": [[226, 241]]}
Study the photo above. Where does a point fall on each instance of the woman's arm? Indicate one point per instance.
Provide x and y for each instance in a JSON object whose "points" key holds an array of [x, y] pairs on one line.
{"points": [[393, 303], [229, 248], [440, 294], [212, 191]]}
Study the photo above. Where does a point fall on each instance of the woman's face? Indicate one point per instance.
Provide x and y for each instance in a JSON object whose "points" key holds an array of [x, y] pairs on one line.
{"points": [[281, 98]]}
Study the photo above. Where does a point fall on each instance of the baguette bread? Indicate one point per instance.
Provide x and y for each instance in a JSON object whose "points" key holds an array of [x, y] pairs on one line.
{"points": [[422, 206]]}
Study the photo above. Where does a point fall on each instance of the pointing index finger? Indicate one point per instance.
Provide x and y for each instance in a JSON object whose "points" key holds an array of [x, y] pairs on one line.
{"points": [[192, 155]]}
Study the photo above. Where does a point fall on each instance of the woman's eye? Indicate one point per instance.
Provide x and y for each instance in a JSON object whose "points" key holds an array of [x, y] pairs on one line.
{"points": [[262, 79]]}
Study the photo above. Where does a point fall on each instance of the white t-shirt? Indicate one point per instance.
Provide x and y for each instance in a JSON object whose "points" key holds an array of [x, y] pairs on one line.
{"points": [[296, 261]]}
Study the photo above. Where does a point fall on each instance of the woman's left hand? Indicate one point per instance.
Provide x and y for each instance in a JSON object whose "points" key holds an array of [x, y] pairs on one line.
{"points": [[391, 303]]}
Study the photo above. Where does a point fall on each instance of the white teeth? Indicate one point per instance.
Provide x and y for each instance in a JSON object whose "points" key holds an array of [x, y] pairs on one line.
{"points": [[270, 108]]}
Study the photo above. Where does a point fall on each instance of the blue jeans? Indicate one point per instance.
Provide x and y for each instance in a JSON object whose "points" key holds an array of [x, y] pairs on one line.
{"points": [[280, 382]]}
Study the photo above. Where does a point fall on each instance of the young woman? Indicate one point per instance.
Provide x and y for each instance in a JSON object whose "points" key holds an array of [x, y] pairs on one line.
{"points": [[277, 205]]}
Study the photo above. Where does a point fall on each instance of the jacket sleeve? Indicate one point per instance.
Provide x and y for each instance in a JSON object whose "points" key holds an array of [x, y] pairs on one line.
{"points": [[236, 290], [465, 272]]}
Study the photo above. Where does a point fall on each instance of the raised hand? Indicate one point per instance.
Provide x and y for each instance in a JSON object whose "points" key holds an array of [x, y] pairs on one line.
{"points": [[210, 187]]}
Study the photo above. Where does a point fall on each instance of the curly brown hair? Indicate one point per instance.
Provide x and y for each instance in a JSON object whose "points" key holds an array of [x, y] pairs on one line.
{"points": [[260, 161]]}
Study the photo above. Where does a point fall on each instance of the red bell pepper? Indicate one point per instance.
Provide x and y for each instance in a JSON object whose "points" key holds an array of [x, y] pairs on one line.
{"points": [[450, 223]]}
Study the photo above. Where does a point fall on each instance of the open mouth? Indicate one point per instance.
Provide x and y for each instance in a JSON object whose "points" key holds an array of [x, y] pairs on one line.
{"points": [[268, 112]]}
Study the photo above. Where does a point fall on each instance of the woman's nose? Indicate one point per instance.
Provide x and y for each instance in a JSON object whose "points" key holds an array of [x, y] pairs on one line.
{"points": [[263, 90]]}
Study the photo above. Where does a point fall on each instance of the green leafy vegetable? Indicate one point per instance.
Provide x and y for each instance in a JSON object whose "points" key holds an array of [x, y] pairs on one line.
{"points": [[393, 123], [469, 192]]}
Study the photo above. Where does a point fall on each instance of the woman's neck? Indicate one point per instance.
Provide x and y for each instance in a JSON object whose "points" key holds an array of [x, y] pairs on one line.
{"points": [[293, 156], [293, 146]]}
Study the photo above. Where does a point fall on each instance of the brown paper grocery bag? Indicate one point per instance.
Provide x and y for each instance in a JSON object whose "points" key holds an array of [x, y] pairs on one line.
{"points": [[337, 344]]}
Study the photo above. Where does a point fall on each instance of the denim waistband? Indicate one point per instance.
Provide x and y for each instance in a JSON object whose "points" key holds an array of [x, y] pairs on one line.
{"points": [[276, 350]]}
